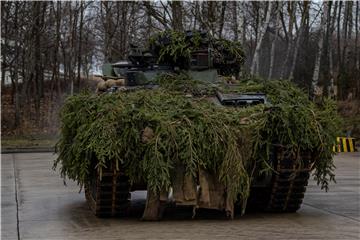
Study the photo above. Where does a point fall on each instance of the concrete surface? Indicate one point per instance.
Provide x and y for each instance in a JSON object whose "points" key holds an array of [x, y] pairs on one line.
{"points": [[35, 204]]}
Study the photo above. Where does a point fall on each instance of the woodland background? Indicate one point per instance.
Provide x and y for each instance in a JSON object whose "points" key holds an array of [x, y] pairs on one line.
{"points": [[51, 49]]}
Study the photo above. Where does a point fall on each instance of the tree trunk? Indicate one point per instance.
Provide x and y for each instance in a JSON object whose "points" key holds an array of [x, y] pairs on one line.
{"points": [[155, 14], [292, 11], [41, 63], [58, 39], [16, 99], [222, 18], [70, 55], [273, 44], [357, 38], [3, 71], [357, 57], [211, 16], [37, 56], [332, 91], [15, 75], [304, 19], [345, 34], [235, 21], [243, 24], [80, 45], [325, 68], [339, 37], [107, 24], [255, 61], [72, 52], [4, 50], [350, 29], [315, 79], [149, 24]]}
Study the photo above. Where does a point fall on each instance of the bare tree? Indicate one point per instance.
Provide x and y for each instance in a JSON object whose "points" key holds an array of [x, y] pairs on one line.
{"points": [[151, 10], [177, 15], [289, 36], [304, 19], [315, 79], [243, 23], [273, 43], [263, 28], [49, 47], [55, 79], [235, 20], [345, 31], [332, 90], [357, 37], [339, 37], [80, 43], [222, 18]]}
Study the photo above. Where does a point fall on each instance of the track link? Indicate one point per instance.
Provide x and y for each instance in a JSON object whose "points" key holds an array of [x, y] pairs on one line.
{"points": [[108, 196], [288, 185]]}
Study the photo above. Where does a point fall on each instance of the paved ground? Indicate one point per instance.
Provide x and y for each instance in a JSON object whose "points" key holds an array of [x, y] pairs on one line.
{"points": [[36, 205]]}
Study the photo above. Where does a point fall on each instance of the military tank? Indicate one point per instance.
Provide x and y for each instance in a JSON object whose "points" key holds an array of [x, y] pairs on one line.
{"points": [[216, 64]]}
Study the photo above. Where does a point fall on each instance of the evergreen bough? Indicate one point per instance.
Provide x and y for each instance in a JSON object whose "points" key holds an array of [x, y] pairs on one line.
{"points": [[193, 131]]}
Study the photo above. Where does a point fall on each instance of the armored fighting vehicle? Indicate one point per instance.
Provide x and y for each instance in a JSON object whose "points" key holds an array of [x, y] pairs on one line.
{"points": [[210, 61]]}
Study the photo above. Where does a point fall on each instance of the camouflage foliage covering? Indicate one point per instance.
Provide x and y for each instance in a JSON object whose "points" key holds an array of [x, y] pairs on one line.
{"points": [[148, 133], [178, 48]]}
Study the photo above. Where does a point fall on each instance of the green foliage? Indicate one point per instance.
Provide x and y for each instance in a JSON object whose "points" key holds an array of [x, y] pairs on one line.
{"points": [[231, 142], [298, 124], [194, 132], [328, 128], [225, 48], [176, 48], [182, 82]]}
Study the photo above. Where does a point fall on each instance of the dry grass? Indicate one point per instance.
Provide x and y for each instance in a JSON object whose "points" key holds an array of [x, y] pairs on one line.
{"points": [[28, 142]]}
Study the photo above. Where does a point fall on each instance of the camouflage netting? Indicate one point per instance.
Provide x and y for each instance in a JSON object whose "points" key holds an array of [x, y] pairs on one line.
{"points": [[169, 139]]}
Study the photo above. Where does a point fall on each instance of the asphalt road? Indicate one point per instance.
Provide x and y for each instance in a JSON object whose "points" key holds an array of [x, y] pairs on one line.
{"points": [[35, 204]]}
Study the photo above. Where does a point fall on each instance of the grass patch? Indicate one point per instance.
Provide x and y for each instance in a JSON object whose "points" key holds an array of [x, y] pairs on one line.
{"points": [[15, 142]]}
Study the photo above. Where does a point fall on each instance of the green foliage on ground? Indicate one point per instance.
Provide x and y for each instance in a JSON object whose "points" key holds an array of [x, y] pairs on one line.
{"points": [[230, 142], [19, 142]]}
